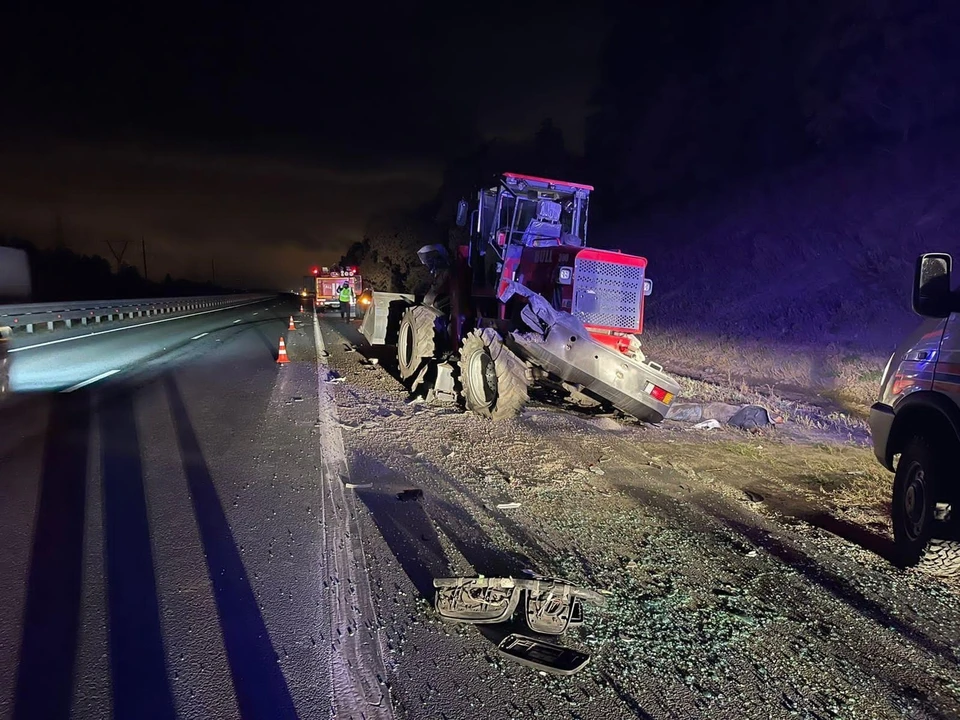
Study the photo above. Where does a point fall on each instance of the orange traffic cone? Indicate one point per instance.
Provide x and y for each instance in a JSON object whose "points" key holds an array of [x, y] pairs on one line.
{"points": [[282, 358], [292, 326], [301, 308]]}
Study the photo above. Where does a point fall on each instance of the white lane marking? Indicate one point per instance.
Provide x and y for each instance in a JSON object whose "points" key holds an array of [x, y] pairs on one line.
{"points": [[255, 314], [357, 661], [129, 327], [197, 337], [91, 381], [237, 320]]}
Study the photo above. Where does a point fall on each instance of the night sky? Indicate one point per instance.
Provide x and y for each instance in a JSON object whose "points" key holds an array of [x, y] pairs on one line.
{"points": [[263, 135]]}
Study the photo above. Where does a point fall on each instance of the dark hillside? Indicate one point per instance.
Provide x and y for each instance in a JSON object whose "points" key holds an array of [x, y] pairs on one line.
{"points": [[800, 265]]}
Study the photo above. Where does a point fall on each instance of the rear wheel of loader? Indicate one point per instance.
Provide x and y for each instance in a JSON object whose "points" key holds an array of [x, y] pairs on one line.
{"points": [[416, 340], [494, 379]]}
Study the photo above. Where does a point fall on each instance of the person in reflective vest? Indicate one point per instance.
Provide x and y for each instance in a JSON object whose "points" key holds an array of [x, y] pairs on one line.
{"points": [[346, 296]]}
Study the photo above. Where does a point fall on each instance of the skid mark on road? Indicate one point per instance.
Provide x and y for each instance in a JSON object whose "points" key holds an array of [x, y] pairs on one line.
{"points": [[358, 674]]}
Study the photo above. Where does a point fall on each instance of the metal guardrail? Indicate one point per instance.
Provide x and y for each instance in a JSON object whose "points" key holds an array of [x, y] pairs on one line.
{"points": [[27, 317]]}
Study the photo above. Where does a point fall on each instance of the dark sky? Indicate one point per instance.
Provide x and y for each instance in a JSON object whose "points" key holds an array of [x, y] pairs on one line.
{"points": [[264, 134]]}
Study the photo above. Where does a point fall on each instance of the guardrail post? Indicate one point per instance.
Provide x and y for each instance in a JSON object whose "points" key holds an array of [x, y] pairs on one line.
{"points": [[29, 327], [68, 322], [96, 319], [50, 325]]}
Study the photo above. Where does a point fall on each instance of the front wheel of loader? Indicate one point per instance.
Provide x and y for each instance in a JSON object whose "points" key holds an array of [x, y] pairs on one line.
{"points": [[493, 378], [416, 340]]}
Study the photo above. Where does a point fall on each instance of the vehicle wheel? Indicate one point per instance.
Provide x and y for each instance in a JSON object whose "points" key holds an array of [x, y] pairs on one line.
{"points": [[916, 488], [417, 340], [493, 378]]}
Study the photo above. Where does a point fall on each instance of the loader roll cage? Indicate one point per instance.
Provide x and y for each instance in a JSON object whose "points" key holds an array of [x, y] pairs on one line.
{"points": [[509, 213]]}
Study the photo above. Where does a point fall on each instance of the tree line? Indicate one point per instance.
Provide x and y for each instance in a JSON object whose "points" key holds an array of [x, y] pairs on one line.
{"points": [[694, 94], [61, 274]]}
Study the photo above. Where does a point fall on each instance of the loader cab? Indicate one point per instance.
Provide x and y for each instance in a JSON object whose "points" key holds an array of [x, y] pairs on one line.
{"points": [[524, 211]]}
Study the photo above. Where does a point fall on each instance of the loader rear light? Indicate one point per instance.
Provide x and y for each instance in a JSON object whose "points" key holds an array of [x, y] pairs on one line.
{"points": [[658, 393]]}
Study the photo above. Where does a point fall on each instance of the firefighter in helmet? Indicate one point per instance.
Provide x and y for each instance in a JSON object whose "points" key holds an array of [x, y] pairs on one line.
{"points": [[346, 297]]}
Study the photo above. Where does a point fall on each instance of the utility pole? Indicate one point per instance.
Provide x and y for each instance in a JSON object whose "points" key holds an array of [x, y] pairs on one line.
{"points": [[118, 256], [143, 245]]}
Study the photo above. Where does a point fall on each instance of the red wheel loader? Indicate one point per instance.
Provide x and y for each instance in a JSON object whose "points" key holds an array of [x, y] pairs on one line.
{"points": [[524, 302]]}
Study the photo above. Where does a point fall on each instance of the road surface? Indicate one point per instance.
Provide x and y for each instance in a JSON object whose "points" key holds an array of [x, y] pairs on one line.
{"points": [[191, 530]]}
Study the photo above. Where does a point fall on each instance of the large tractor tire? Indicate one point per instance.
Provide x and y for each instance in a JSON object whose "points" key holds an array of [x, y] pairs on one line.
{"points": [[417, 340], [917, 488], [493, 378]]}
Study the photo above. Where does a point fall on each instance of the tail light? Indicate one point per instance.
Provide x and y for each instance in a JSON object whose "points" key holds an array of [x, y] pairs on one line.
{"points": [[658, 393]]}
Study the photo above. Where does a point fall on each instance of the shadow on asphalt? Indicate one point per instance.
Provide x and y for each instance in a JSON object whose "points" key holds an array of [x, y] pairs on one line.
{"points": [[141, 687], [51, 628], [260, 687], [410, 530], [51, 624], [836, 584], [880, 545], [690, 513]]}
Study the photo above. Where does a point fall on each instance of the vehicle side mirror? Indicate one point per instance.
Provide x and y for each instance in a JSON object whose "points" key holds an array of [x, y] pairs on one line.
{"points": [[932, 295], [463, 210]]}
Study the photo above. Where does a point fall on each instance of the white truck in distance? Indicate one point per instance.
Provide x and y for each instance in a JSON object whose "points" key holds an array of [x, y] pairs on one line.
{"points": [[15, 286]]}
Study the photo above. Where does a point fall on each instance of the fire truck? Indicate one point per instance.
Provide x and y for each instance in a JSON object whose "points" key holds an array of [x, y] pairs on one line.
{"points": [[329, 281]]}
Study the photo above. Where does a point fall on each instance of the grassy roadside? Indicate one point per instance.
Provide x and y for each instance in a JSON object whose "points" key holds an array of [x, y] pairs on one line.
{"points": [[847, 482], [846, 380]]}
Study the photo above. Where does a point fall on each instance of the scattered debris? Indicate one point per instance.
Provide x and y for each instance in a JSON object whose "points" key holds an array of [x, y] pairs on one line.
{"points": [[543, 656], [358, 486], [335, 380], [549, 602], [751, 417], [597, 470], [711, 424], [685, 412], [412, 494], [509, 506], [719, 411], [551, 607]]}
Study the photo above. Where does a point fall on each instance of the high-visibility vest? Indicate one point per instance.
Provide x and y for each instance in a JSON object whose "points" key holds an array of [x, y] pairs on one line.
{"points": [[345, 293]]}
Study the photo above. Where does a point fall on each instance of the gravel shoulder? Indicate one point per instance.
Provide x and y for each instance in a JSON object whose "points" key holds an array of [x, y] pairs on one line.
{"points": [[746, 574]]}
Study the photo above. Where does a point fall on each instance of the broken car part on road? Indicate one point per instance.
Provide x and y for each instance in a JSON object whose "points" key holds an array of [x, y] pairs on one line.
{"points": [[551, 607]]}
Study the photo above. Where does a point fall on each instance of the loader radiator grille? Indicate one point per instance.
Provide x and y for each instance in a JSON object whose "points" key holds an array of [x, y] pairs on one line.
{"points": [[607, 294]]}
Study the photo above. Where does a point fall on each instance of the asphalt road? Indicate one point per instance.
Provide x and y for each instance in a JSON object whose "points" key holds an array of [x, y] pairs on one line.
{"points": [[161, 544]]}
